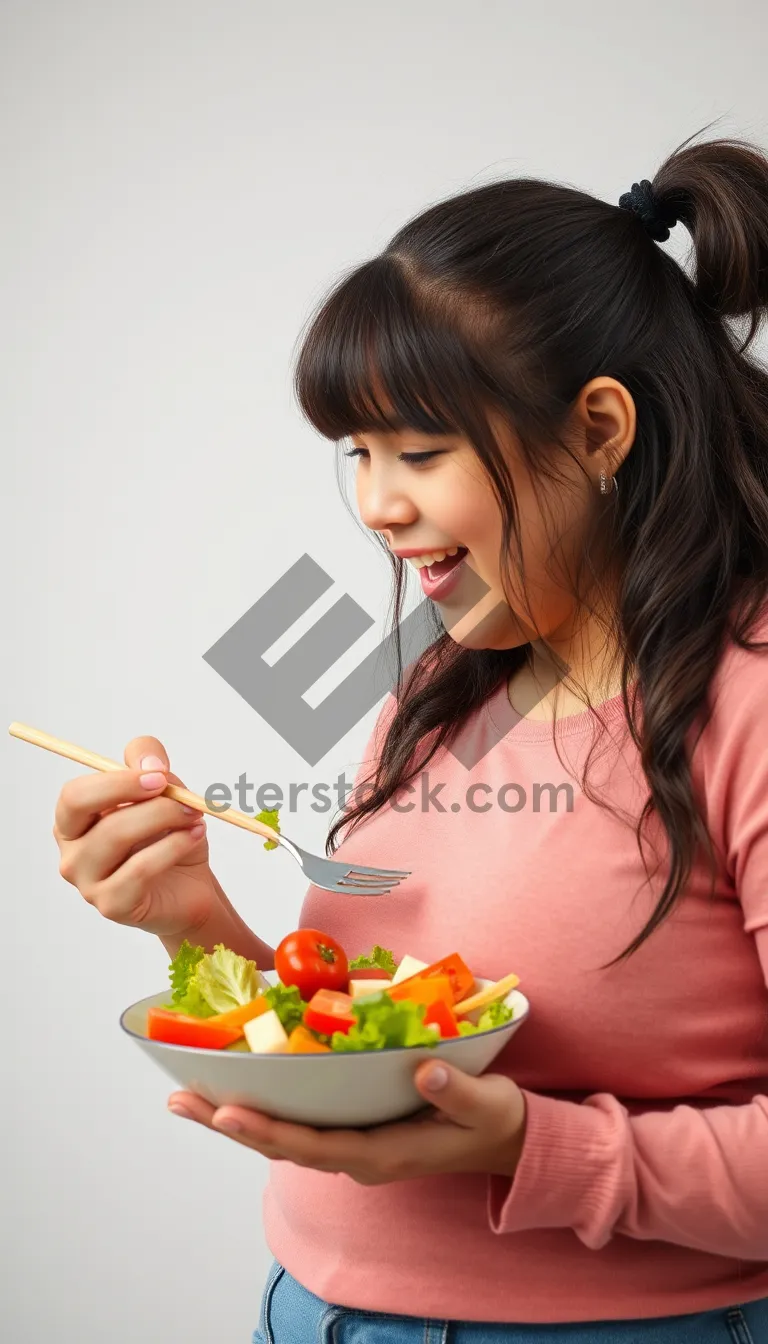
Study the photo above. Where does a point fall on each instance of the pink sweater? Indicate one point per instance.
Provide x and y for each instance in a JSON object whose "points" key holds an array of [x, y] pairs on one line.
{"points": [[643, 1185]]}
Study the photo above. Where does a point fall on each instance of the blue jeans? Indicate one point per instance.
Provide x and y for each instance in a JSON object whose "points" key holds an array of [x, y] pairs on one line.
{"points": [[291, 1315]]}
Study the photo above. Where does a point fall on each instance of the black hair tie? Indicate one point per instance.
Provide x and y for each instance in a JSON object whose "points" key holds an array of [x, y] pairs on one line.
{"points": [[657, 217]]}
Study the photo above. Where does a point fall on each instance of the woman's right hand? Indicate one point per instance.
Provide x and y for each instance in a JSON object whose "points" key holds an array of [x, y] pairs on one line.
{"points": [[139, 858]]}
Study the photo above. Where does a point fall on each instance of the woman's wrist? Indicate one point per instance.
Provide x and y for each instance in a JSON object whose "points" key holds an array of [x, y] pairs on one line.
{"points": [[263, 954], [223, 925], [509, 1159]]}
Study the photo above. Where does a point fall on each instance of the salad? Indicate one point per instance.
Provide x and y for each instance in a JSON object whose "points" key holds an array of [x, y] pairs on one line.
{"points": [[323, 1002]]}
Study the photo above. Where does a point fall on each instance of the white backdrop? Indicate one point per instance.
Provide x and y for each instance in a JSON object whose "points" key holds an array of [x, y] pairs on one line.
{"points": [[181, 182]]}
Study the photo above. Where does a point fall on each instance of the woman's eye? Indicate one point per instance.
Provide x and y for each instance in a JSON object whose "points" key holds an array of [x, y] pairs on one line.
{"points": [[417, 459], [414, 459]]}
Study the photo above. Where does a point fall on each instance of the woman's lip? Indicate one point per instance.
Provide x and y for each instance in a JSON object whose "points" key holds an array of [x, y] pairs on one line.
{"points": [[425, 550], [438, 589]]}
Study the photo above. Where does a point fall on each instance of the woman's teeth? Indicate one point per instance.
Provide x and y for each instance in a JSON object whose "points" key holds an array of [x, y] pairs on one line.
{"points": [[432, 557]]}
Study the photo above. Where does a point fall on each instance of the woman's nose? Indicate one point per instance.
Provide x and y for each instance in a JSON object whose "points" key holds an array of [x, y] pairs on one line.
{"points": [[381, 508]]}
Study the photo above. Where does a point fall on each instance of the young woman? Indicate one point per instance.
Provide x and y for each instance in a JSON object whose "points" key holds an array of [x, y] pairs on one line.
{"points": [[535, 387]]}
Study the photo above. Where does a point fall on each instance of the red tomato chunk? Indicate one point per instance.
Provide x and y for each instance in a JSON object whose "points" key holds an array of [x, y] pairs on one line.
{"points": [[179, 1029], [329, 1011]]}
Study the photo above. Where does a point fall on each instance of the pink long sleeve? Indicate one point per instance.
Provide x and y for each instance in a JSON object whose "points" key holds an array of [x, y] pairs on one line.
{"points": [[695, 1175]]}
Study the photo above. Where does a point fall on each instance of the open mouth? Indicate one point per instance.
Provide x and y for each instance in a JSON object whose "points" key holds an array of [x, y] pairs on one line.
{"points": [[439, 568]]}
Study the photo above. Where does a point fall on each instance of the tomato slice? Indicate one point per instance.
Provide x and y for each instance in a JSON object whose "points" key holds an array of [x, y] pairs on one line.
{"points": [[440, 1014], [329, 1011], [179, 1029], [422, 989]]}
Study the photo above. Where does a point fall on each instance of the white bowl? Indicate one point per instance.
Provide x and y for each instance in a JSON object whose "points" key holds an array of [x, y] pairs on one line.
{"points": [[367, 1087]]}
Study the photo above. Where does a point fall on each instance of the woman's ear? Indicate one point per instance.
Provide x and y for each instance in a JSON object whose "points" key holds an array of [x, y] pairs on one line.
{"points": [[605, 419]]}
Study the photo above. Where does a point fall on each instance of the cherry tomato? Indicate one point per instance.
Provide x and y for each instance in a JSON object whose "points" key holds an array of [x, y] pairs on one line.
{"points": [[311, 960]]}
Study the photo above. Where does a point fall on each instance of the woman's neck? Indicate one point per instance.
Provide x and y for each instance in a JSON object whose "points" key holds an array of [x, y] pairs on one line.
{"points": [[550, 687]]}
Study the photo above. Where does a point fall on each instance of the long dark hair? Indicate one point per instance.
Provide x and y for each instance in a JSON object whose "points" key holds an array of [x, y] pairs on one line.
{"points": [[510, 297]]}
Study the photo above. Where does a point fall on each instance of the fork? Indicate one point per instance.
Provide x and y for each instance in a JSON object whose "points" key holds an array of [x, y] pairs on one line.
{"points": [[328, 874]]}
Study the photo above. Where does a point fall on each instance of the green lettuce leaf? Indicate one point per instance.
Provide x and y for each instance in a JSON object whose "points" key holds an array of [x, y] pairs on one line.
{"points": [[186, 997], [468, 1029], [495, 1015], [205, 983], [182, 968], [270, 818], [288, 1004], [380, 957], [382, 1024], [225, 980]]}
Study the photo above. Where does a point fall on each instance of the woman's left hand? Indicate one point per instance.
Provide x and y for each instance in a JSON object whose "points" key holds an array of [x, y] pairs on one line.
{"points": [[477, 1126]]}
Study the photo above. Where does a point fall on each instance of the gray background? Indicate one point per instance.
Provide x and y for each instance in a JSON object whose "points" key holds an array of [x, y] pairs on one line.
{"points": [[180, 184]]}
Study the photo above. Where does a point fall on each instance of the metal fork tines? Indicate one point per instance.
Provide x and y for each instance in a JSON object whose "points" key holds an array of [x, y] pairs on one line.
{"points": [[344, 879]]}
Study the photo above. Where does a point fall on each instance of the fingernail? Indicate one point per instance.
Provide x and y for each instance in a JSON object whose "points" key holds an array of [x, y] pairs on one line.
{"points": [[190, 811], [179, 1110], [152, 763], [197, 830], [231, 1126], [153, 781], [436, 1079]]}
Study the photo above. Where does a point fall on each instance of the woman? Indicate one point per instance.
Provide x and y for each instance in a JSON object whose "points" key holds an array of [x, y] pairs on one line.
{"points": [[575, 771]]}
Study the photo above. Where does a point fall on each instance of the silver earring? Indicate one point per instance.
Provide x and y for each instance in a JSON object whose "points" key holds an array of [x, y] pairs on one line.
{"points": [[604, 488]]}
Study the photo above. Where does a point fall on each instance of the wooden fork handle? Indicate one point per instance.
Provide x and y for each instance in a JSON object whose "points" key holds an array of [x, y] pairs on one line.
{"points": [[94, 762]]}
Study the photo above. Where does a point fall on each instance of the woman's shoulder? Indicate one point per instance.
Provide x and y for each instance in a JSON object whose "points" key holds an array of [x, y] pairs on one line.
{"points": [[739, 667], [738, 695]]}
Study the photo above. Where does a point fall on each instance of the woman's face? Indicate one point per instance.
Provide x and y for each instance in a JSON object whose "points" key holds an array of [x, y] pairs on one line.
{"points": [[446, 500]]}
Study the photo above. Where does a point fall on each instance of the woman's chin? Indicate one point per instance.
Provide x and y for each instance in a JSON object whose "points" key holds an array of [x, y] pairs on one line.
{"points": [[495, 629]]}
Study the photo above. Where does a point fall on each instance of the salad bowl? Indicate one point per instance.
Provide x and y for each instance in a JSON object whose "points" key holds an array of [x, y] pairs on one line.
{"points": [[332, 1090]]}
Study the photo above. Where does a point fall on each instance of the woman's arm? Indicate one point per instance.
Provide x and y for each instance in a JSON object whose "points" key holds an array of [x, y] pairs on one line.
{"points": [[693, 1176]]}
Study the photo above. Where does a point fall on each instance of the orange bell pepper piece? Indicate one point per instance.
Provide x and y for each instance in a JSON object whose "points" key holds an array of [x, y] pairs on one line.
{"points": [[422, 989], [245, 1012], [461, 978], [302, 1042]]}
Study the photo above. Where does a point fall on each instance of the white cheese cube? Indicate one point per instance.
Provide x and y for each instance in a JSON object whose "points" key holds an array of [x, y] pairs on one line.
{"points": [[360, 987], [408, 966], [266, 1035]]}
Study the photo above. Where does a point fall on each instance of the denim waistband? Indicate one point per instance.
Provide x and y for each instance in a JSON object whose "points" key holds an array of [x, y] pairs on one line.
{"points": [[290, 1314]]}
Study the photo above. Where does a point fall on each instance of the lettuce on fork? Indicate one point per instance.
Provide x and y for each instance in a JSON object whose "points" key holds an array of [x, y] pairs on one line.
{"points": [[270, 818], [383, 1023], [205, 983]]}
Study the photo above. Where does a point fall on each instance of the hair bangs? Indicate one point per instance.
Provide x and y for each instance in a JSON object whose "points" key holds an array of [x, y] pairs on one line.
{"points": [[374, 359]]}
